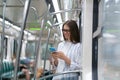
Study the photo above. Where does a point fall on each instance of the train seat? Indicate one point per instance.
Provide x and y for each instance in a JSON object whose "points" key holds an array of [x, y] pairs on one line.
{"points": [[7, 70]]}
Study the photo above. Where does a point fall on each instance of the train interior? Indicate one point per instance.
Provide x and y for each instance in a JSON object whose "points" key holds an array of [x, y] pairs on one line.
{"points": [[28, 28]]}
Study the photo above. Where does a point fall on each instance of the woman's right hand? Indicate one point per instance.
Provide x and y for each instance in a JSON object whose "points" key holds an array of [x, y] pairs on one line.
{"points": [[55, 61], [53, 54]]}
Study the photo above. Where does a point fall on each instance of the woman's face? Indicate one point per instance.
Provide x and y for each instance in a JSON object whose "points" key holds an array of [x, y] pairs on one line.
{"points": [[66, 32]]}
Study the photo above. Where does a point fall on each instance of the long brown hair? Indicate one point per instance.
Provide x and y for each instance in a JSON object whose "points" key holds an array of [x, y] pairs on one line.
{"points": [[74, 31]]}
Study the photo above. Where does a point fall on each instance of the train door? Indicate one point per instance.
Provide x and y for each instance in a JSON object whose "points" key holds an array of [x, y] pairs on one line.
{"points": [[105, 40]]}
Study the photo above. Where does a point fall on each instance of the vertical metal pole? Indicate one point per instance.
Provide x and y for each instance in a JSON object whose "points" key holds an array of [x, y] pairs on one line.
{"points": [[46, 48], [37, 49], [26, 10], [2, 38]]}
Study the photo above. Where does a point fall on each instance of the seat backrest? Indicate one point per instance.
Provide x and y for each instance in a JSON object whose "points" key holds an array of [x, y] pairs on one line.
{"points": [[7, 66], [11, 66]]}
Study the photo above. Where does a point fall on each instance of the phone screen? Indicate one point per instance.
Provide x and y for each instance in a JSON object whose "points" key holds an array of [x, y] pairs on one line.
{"points": [[52, 49]]}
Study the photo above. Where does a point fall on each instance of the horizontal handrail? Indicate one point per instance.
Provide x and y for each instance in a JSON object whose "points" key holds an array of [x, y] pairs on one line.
{"points": [[65, 10], [66, 72]]}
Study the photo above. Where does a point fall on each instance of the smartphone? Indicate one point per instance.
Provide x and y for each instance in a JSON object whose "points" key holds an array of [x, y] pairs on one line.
{"points": [[52, 49]]}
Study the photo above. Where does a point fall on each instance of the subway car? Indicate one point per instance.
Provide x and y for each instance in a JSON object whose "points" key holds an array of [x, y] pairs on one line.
{"points": [[31, 29]]}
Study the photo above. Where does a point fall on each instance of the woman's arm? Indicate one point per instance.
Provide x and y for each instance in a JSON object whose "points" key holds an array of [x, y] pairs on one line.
{"points": [[67, 60], [61, 55]]}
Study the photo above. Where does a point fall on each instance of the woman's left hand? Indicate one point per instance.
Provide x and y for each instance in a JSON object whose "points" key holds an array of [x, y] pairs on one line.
{"points": [[60, 55]]}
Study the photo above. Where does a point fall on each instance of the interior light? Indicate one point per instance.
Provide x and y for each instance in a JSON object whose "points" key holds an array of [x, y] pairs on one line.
{"points": [[1, 19], [106, 1], [27, 33], [117, 12], [49, 6], [116, 1], [108, 35], [49, 23], [15, 27], [56, 7], [58, 15]]}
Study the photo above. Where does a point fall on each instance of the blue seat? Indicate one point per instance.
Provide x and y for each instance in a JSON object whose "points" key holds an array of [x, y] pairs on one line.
{"points": [[8, 70]]}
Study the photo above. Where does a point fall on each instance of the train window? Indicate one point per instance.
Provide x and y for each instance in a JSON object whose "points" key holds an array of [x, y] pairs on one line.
{"points": [[109, 57], [0, 44], [5, 48], [15, 47], [44, 51], [30, 49], [4, 53]]}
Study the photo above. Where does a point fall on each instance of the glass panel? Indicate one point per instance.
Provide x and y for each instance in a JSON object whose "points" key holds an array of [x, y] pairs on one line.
{"points": [[30, 49], [110, 55]]}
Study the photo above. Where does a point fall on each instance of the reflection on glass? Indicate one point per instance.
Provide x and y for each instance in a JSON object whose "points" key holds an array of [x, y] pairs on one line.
{"points": [[110, 56]]}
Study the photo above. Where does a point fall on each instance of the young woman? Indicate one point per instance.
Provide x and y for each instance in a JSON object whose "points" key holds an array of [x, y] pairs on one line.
{"points": [[68, 54]]}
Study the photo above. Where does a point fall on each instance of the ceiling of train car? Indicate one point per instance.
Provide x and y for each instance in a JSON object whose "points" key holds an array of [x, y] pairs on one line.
{"points": [[69, 4], [38, 8], [14, 10]]}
